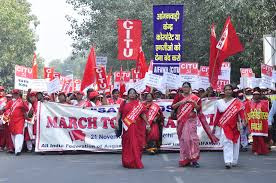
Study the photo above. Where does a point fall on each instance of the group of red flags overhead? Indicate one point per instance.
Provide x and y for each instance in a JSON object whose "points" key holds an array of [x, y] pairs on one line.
{"points": [[228, 45], [92, 74]]}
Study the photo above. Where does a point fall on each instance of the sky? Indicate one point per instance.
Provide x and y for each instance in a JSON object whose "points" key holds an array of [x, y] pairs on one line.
{"points": [[53, 41]]}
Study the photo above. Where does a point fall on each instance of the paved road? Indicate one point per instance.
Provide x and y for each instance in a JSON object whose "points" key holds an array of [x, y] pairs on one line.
{"points": [[106, 168]]}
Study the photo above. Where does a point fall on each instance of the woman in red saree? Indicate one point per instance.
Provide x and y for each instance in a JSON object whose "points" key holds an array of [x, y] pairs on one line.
{"points": [[187, 104], [134, 120], [256, 111], [156, 119]]}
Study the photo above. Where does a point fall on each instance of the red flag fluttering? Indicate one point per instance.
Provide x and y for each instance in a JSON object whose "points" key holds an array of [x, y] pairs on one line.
{"points": [[35, 67], [89, 72], [141, 64], [122, 84], [228, 45]]}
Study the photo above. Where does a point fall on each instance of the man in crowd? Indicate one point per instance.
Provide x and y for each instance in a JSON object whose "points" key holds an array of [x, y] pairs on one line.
{"points": [[16, 119]]}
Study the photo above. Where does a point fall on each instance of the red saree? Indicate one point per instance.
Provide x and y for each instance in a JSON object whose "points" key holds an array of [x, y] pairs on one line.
{"points": [[133, 139]]}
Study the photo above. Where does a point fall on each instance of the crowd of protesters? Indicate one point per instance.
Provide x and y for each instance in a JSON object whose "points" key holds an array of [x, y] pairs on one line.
{"points": [[18, 120]]}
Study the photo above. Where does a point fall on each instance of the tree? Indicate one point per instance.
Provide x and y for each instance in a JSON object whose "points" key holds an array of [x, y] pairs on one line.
{"points": [[17, 39], [251, 18], [71, 65]]}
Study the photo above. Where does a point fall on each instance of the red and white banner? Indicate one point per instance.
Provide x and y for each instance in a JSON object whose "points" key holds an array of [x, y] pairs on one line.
{"points": [[247, 72], [135, 75], [188, 68], [101, 78], [221, 84], [266, 70], [189, 73], [56, 75], [204, 71], [67, 83], [204, 77], [125, 76], [77, 84], [225, 71], [48, 73], [266, 73], [129, 39], [23, 77], [64, 127]]}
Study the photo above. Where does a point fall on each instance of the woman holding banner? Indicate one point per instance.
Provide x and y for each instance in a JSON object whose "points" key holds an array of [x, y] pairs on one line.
{"points": [[156, 119], [132, 113], [228, 118], [187, 105], [257, 117]]}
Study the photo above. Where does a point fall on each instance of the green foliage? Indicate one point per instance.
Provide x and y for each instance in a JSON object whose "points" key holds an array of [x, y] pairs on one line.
{"points": [[17, 40], [251, 18], [72, 65]]}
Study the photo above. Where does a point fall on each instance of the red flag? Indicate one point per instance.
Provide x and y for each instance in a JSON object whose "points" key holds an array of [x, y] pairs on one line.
{"points": [[214, 69], [129, 39], [35, 67], [122, 89], [109, 77], [141, 64], [122, 84], [229, 43], [89, 72]]}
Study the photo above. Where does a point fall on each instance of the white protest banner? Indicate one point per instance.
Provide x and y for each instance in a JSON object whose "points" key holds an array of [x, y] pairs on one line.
{"points": [[171, 81], [39, 85], [274, 76], [244, 83], [139, 85], [129, 85], [189, 73], [101, 61], [65, 127], [153, 80], [204, 77], [53, 86], [225, 71], [248, 82], [194, 80], [256, 82], [23, 77], [266, 72]]}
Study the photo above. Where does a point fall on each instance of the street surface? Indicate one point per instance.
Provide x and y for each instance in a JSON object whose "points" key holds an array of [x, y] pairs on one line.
{"points": [[106, 168]]}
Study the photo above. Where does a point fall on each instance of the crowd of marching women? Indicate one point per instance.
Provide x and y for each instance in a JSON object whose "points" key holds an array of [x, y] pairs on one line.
{"points": [[140, 120]]}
